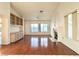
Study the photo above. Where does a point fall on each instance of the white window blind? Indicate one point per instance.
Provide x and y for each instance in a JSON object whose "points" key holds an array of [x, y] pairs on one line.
{"points": [[44, 27], [70, 26], [34, 27]]}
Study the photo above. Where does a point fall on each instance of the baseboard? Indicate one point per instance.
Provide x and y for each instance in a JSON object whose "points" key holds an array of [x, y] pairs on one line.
{"points": [[69, 47], [16, 41], [4, 44], [36, 34]]}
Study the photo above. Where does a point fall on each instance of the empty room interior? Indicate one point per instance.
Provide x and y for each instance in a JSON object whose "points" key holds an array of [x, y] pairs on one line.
{"points": [[39, 28]]}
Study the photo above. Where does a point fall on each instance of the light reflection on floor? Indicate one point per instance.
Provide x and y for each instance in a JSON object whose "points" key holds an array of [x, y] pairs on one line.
{"points": [[36, 42], [44, 42]]}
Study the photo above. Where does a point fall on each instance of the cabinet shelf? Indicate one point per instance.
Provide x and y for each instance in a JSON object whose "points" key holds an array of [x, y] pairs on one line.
{"points": [[15, 20]]}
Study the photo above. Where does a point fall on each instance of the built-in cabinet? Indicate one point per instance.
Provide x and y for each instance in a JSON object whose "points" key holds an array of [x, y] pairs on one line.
{"points": [[16, 28], [16, 36], [12, 37], [15, 20]]}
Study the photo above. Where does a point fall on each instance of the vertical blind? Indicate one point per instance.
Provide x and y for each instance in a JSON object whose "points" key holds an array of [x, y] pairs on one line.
{"points": [[70, 26], [66, 26], [73, 24]]}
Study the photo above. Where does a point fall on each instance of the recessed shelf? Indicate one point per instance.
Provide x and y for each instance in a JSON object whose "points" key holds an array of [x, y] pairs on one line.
{"points": [[15, 20]]}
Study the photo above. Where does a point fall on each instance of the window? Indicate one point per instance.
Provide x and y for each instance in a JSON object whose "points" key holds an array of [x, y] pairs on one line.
{"points": [[44, 27], [34, 27], [39, 27], [70, 26]]}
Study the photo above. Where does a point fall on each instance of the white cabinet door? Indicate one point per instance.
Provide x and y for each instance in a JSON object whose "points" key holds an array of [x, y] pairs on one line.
{"points": [[12, 37]]}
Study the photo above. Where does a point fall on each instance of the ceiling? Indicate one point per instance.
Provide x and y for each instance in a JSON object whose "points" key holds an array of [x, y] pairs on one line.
{"points": [[31, 10]]}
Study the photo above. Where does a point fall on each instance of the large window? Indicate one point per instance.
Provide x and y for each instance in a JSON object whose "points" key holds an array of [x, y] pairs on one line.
{"points": [[34, 27], [39, 27], [70, 26], [44, 27]]}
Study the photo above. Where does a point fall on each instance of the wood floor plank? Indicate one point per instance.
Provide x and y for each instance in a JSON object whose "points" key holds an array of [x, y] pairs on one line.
{"points": [[23, 47]]}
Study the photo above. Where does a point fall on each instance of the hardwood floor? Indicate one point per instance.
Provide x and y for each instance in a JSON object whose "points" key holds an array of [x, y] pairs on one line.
{"points": [[39, 46]]}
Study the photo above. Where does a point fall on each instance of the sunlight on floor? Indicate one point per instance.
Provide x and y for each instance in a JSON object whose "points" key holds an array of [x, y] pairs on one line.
{"points": [[36, 42]]}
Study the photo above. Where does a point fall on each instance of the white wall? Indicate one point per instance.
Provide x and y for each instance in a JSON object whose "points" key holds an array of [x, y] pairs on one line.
{"points": [[52, 23], [62, 10], [27, 27], [5, 16], [12, 10]]}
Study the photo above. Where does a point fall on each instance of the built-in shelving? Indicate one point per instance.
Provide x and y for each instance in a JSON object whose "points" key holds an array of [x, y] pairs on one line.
{"points": [[15, 20], [16, 32]]}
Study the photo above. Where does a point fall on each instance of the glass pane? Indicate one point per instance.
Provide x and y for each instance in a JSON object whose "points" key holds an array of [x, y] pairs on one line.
{"points": [[34, 28], [34, 42], [0, 33], [70, 26], [44, 27], [41, 27]]}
